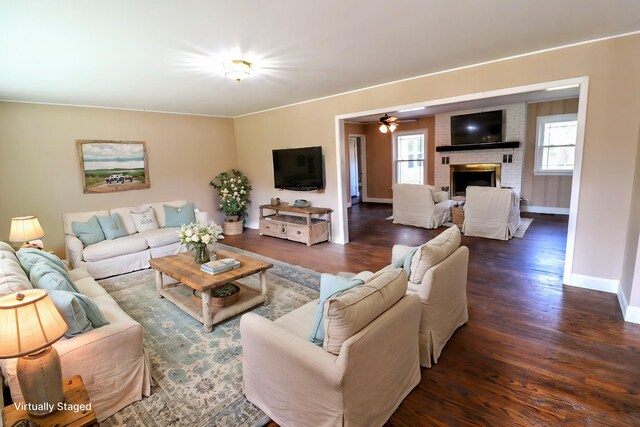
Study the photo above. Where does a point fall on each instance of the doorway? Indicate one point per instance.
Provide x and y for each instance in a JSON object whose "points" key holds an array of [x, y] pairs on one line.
{"points": [[356, 169]]}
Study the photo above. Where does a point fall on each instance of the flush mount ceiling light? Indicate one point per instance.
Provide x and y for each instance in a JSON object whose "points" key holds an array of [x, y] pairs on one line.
{"points": [[237, 69], [388, 124]]}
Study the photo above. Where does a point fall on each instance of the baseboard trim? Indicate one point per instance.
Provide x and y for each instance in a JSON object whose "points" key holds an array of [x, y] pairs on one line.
{"points": [[632, 314], [595, 283], [377, 200], [545, 210], [622, 300]]}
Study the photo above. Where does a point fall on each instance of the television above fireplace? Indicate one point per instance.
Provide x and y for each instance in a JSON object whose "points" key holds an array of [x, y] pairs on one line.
{"points": [[476, 128]]}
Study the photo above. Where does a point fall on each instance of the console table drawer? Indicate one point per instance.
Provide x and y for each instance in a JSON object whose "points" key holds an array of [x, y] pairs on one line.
{"points": [[273, 228], [297, 233]]}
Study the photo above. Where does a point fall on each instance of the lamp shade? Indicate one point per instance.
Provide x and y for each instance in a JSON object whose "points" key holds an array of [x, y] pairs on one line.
{"points": [[237, 70], [29, 321], [25, 228]]}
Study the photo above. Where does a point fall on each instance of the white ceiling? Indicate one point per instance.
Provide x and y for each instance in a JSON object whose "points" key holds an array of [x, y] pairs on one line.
{"points": [[164, 55]]}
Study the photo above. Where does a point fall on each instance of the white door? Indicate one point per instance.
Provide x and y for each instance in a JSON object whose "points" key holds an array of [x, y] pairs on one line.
{"points": [[353, 166]]}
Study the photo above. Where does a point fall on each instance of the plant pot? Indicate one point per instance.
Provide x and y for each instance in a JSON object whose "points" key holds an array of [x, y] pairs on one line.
{"points": [[232, 228]]}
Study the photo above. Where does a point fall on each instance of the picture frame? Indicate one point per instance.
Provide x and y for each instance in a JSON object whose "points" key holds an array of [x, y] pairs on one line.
{"points": [[109, 166]]}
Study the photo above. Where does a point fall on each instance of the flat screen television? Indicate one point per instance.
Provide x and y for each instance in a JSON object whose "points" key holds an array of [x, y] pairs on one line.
{"points": [[298, 169], [476, 128]]}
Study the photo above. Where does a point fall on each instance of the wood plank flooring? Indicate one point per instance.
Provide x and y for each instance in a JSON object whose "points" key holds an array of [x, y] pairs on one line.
{"points": [[534, 352]]}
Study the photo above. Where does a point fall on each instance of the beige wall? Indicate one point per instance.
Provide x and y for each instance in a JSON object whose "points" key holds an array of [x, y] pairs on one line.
{"points": [[380, 156], [613, 67], [630, 282], [40, 171], [545, 190]]}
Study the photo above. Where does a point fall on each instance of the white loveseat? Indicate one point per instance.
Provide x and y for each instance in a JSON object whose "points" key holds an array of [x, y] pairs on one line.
{"points": [[111, 359], [420, 206], [128, 253]]}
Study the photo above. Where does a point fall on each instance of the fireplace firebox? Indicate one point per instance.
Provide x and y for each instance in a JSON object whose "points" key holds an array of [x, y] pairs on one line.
{"points": [[473, 174]]}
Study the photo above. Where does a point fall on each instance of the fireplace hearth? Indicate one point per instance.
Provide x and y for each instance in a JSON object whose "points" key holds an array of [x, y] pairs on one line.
{"points": [[473, 174]]}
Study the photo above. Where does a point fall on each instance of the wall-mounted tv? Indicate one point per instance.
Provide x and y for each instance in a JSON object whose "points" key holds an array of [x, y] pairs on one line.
{"points": [[298, 169], [476, 128]]}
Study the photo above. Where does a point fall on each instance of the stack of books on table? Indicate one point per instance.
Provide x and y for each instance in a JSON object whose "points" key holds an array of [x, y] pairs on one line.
{"points": [[220, 265]]}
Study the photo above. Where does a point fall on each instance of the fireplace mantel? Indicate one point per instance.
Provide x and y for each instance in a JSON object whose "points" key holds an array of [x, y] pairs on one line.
{"points": [[485, 146]]}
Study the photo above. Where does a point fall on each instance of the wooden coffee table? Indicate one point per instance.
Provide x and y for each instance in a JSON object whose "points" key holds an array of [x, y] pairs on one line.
{"points": [[182, 268]]}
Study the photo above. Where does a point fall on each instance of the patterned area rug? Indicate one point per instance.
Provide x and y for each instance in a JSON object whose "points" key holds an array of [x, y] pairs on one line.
{"points": [[198, 375]]}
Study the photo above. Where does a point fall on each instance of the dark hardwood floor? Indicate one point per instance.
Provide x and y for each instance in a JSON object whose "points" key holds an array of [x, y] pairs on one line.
{"points": [[534, 352]]}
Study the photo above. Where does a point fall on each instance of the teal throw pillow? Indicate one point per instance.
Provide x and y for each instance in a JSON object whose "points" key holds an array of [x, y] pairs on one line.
{"points": [[406, 261], [112, 226], [177, 217], [51, 277], [88, 232], [29, 256], [330, 286], [72, 312]]}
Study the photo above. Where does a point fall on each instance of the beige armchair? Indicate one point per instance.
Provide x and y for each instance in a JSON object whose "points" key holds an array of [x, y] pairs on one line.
{"points": [[368, 363], [420, 206], [438, 274], [491, 212]]}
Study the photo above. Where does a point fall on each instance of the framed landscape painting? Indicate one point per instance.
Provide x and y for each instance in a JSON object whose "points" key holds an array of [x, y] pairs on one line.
{"points": [[113, 165]]}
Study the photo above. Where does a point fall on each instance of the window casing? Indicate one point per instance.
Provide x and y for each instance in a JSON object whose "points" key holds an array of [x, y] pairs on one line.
{"points": [[556, 144], [409, 157]]}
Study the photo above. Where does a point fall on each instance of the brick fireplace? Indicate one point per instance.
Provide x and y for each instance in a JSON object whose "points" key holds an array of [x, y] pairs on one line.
{"points": [[477, 174]]}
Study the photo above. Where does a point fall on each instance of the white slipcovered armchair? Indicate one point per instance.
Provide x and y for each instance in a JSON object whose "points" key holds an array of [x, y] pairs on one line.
{"points": [[438, 274], [491, 212], [367, 365], [420, 206]]}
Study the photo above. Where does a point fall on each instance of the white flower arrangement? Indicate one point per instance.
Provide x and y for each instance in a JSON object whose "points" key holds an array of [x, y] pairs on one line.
{"points": [[194, 235]]}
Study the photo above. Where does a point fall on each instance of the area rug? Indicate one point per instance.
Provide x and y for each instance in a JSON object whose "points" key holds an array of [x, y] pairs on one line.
{"points": [[524, 225], [198, 375]]}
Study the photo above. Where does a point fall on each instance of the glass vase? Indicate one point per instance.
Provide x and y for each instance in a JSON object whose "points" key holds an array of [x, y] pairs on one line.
{"points": [[201, 254]]}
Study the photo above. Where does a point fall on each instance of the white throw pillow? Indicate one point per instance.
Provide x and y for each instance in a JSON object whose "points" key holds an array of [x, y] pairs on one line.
{"points": [[144, 220], [433, 252]]}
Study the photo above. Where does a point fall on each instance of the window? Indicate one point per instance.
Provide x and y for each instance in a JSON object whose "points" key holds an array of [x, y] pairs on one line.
{"points": [[409, 157], [556, 144]]}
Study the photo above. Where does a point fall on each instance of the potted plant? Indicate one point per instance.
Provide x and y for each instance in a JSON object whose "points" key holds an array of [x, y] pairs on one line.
{"points": [[197, 237], [233, 188]]}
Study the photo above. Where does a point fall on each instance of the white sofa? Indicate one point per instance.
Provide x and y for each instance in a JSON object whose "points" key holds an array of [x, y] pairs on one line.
{"points": [[111, 360], [366, 367], [128, 253], [491, 212], [416, 205]]}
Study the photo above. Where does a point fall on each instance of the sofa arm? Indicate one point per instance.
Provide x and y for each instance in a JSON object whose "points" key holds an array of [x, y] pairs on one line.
{"points": [[280, 369], [73, 249]]}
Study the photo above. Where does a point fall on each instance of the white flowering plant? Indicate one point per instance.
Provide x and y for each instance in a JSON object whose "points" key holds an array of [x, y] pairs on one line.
{"points": [[233, 188], [196, 235]]}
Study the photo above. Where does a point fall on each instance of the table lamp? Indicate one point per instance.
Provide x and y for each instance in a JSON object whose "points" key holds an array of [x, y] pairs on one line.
{"points": [[29, 324], [24, 229]]}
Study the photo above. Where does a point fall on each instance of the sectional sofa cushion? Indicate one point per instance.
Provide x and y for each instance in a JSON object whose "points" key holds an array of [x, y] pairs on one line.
{"points": [[144, 220], [161, 236], [49, 277], [330, 286], [433, 252], [88, 232], [178, 216], [113, 248], [347, 314], [112, 226], [12, 276]]}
